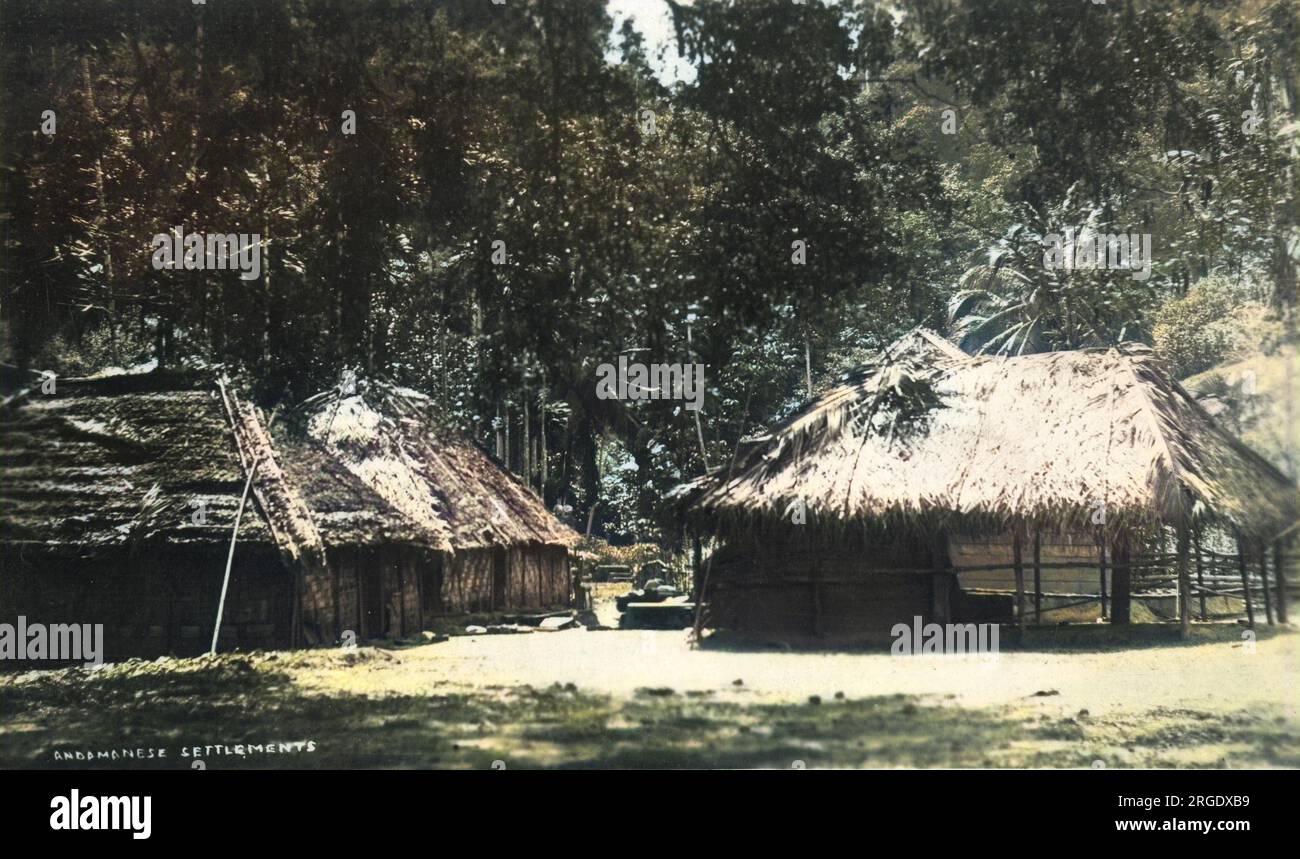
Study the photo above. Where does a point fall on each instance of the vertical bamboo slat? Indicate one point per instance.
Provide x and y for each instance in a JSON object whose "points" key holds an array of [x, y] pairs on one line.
{"points": [[1200, 571], [1245, 581], [1280, 572], [1101, 553], [1184, 584], [1038, 579], [1020, 580], [1263, 577]]}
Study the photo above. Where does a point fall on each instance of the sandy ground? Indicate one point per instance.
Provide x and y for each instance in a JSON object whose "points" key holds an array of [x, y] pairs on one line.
{"points": [[631, 698], [1219, 675], [1213, 675]]}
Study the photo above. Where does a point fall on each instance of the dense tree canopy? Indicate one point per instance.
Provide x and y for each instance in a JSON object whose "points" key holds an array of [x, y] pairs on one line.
{"points": [[487, 201]]}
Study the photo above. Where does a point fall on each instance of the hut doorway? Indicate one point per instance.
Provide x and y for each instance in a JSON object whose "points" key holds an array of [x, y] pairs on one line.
{"points": [[498, 578], [431, 586]]}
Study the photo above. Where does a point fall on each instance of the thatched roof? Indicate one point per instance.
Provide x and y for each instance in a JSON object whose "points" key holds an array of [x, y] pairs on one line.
{"points": [[1048, 437], [102, 463], [447, 490], [105, 463]]}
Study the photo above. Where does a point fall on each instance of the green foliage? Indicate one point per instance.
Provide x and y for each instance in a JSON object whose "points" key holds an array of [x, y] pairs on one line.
{"points": [[97, 350], [520, 128], [1206, 327]]}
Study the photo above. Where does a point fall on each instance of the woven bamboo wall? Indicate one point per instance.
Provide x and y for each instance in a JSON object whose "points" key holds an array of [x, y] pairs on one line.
{"points": [[153, 603], [972, 551], [841, 590]]}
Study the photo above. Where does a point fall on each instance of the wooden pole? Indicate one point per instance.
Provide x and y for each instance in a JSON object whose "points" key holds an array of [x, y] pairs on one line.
{"points": [[1184, 584], [1038, 579], [1121, 610], [1279, 572], [1245, 581], [1101, 551], [1020, 579], [1200, 570], [1263, 577], [230, 557]]}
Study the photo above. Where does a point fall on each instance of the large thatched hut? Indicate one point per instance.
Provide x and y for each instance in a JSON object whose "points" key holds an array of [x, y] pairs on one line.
{"points": [[936, 484], [120, 496]]}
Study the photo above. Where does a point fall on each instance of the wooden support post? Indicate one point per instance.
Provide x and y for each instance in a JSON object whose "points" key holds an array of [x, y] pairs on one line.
{"points": [[1121, 610], [1020, 579], [1105, 608], [1184, 584], [1038, 580], [1263, 577], [1200, 570], [1245, 581], [1280, 573]]}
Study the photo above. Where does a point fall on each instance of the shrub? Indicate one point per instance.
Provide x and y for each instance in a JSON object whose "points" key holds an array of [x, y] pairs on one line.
{"points": [[1216, 320]]}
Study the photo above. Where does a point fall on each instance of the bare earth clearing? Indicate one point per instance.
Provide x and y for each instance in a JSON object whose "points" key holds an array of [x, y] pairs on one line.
{"points": [[645, 698]]}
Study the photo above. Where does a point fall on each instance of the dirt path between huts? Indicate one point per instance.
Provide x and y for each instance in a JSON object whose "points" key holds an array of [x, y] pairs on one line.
{"points": [[645, 698]]}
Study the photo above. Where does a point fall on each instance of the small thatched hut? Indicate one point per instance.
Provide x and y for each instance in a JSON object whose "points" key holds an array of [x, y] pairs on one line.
{"points": [[120, 496], [928, 482]]}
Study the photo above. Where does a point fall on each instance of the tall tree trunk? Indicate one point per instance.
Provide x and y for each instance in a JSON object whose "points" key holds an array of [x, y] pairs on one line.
{"points": [[528, 443], [541, 433], [807, 363], [101, 219], [496, 429]]}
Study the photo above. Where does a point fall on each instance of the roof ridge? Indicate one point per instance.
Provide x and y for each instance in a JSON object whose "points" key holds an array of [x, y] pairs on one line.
{"points": [[934, 338], [297, 535]]}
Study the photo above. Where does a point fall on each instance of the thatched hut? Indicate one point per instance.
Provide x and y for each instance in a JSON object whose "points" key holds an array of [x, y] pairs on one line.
{"points": [[932, 481], [120, 496]]}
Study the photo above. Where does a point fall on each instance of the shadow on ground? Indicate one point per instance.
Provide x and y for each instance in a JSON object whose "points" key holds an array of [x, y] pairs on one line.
{"points": [[1082, 637], [238, 700]]}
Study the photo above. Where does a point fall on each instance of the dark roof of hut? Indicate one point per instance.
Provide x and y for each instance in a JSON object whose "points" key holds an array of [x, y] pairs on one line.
{"points": [[1048, 437], [118, 462], [113, 462]]}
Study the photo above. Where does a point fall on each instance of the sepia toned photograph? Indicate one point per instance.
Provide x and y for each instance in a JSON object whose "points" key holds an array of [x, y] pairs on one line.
{"points": [[873, 385]]}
